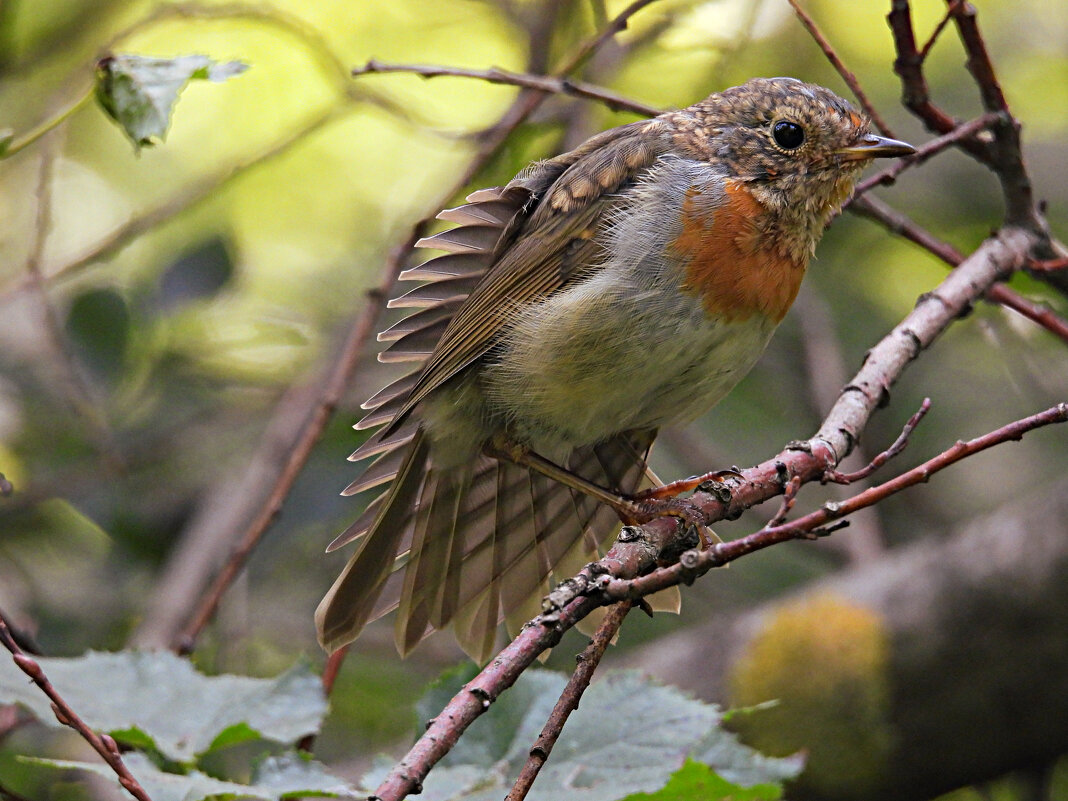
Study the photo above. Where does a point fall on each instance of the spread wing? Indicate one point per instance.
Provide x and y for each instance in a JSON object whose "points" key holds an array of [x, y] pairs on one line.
{"points": [[548, 243]]}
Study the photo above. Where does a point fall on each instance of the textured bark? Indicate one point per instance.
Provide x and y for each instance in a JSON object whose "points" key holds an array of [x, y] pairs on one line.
{"points": [[976, 659]]}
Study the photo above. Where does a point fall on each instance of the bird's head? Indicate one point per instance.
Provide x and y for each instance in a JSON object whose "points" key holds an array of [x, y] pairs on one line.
{"points": [[797, 146]]}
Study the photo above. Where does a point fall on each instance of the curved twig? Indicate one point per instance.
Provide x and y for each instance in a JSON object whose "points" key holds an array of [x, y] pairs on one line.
{"points": [[103, 744]]}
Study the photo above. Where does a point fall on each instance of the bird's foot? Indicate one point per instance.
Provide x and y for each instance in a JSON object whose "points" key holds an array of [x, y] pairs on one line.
{"points": [[637, 509], [674, 488]]}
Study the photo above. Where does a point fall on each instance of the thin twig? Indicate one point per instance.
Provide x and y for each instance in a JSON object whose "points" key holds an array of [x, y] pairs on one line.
{"points": [[915, 93], [103, 744], [80, 393], [941, 26], [896, 448], [839, 65], [1048, 265], [696, 563], [338, 379], [569, 699], [1008, 157], [789, 497], [543, 83], [888, 175]]}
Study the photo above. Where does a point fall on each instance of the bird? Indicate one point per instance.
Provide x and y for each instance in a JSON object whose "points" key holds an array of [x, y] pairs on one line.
{"points": [[625, 285]]}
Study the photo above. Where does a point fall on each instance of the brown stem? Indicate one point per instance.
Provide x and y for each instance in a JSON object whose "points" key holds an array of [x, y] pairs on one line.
{"points": [[569, 699], [340, 375], [696, 563], [915, 93], [896, 448], [875, 209], [542, 83], [924, 152], [849, 77], [941, 26], [102, 744], [1008, 157]]}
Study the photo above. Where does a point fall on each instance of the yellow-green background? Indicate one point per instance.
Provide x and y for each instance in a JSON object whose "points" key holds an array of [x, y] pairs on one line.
{"points": [[185, 388]]}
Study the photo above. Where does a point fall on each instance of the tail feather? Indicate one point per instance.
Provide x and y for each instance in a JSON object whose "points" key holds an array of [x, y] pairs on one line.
{"points": [[349, 603], [413, 611], [484, 540]]}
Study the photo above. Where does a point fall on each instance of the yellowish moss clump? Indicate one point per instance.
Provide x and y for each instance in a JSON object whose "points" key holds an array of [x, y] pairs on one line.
{"points": [[826, 661]]}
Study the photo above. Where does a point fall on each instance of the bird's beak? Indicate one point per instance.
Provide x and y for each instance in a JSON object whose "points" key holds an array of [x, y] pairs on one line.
{"points": [[872, 146]]}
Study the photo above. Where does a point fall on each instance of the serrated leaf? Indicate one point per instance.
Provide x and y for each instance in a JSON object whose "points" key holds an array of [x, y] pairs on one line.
{"points": [[697, 782], [295, 774], [741, 765], [629, 734], [167, 704], [139, 92], [160, 786], [277, 778]]}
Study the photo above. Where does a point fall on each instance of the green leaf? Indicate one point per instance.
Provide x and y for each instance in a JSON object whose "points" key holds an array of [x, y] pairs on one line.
{"points": [[628, 735], [697, 782], [296, 774], [7, 136], [159, 700], [742, 765], [139, 93], [278, 778], [160, 786]]}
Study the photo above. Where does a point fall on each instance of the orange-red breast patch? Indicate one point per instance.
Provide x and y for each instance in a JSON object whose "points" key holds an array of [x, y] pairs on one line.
{"points": [[730, 262]]}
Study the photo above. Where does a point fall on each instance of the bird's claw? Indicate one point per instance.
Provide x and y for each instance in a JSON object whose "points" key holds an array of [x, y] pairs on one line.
{"points": [[636, 510]]}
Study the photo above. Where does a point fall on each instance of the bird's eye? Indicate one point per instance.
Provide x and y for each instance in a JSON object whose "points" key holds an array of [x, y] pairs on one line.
{"points": [[788, 135]]}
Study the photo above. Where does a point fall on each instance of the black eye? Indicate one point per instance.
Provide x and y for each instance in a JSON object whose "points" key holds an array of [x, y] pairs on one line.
{"points": [[788, 135]]}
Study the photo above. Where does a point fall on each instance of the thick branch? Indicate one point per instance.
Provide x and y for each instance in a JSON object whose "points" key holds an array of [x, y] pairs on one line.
{"points": [[696, 563], [637, 549], [877, 210]]}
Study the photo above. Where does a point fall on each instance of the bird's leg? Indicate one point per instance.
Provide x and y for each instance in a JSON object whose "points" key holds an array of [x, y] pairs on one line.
{"points": [[632, 510], [501, 447]]}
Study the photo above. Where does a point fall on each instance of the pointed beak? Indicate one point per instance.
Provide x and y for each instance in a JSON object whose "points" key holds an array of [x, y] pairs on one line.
{"points": [[872, 146]]}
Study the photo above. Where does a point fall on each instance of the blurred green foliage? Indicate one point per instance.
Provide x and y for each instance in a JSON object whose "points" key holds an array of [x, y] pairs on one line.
{"points": [[192, 285]]}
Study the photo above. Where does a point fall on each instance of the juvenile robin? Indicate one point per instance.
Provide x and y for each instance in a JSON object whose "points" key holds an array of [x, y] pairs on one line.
{"points": [[604, 293]]}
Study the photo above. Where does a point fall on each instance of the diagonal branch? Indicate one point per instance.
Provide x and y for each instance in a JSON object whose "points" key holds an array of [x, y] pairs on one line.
{"points": [[637, 549], [898, 223], [543, 83], [966, 130], [916, 95], [836, 61], [102, 744], [693, 564]]}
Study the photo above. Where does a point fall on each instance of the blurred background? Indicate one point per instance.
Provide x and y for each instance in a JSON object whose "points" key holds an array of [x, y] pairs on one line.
{"points": [[167, 317]]}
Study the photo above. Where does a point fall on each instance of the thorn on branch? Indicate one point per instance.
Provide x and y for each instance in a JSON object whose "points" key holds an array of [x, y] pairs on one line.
{"points": [[896, 448]]}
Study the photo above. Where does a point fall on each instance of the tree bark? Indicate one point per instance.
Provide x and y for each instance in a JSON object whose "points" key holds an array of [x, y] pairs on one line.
{"points": [[941, 665]]}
